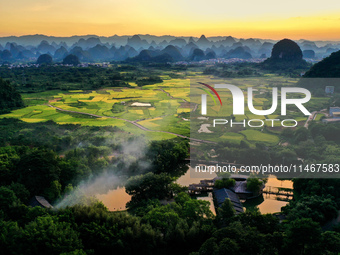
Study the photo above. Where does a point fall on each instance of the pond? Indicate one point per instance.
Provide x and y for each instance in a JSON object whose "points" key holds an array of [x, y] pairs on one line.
{"points": [[115, 200], [269, 203]]}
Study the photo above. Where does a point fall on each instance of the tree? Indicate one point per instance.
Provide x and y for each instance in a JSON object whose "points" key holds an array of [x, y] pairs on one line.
{"points": [[301, 134], [167, 155], [228, 246], [44, 59], [226, 211], [20, 191], [224, 183], [148, 186], [244, 144], [195, 209], [53, 191], [181, 198], [264, 223], [320, 209], [7, 198], [9, 97], [304, 235], [11, 237], [75, 252], [209, 247], [162, 217], [331, 242], [37, 169], [254, 185], [46, 235]]}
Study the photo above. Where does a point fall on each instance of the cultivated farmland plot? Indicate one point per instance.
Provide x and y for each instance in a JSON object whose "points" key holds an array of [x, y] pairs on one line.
{"points": [[162, 107]]}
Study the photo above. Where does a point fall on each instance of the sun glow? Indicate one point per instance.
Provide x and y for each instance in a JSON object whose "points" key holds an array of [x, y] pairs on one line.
{"points": [[260, 19]]}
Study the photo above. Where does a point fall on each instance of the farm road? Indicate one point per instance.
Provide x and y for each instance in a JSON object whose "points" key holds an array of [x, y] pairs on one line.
{"points": [[132, 122]]}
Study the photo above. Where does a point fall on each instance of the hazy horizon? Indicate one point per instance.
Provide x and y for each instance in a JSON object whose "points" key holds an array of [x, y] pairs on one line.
{"points": [[171, 35], [247, 19]]}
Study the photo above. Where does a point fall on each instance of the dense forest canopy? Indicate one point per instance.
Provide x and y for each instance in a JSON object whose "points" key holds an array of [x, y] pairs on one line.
{"points": [[47, 77], [9, 98]]}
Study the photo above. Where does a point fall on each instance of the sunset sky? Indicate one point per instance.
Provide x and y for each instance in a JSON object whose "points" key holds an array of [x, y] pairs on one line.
{"points": [[296, 19]]}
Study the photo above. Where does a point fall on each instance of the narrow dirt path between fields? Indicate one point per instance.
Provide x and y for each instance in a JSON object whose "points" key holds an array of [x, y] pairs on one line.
{"points": [[132, 122], [169, 95]]}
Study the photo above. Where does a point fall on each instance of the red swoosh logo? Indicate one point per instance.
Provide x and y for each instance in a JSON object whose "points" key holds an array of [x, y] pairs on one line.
{"points": [[213, 90]]}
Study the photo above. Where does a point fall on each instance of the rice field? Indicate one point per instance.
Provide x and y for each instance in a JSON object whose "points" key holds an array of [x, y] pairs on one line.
{"points": [[319, 116], [157, 107], [154, 106], [258, 136]]}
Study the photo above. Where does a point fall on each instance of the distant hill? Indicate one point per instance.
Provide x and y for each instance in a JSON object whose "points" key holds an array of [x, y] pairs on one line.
{"points": [[45, 47], [173, 52], [203, 42], [286, 50], [151, 56], [71, 60], [60, 53], [88, 43], [308, 53], [327, 68], [322, 74], [266, 48], [286, 54], [99, 52], [44, 59], [9, 98], [239, 52], [93, 48], [197, 55]]}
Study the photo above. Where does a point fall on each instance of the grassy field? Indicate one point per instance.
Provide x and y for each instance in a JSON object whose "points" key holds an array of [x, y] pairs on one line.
{"points": [[162, 104], [158, 107], [258, 136], [319, 116]]}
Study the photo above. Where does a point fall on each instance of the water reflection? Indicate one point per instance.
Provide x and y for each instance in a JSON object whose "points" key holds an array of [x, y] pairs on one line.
{"points": [[186, 179], [115, 200], [268, 203]]}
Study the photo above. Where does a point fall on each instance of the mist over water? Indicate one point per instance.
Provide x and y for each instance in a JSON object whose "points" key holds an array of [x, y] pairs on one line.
{"points": [[131, 156], [84, 193]]}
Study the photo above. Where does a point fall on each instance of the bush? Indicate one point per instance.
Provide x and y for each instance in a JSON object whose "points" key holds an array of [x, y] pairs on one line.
{"points": [[224, 183]]}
